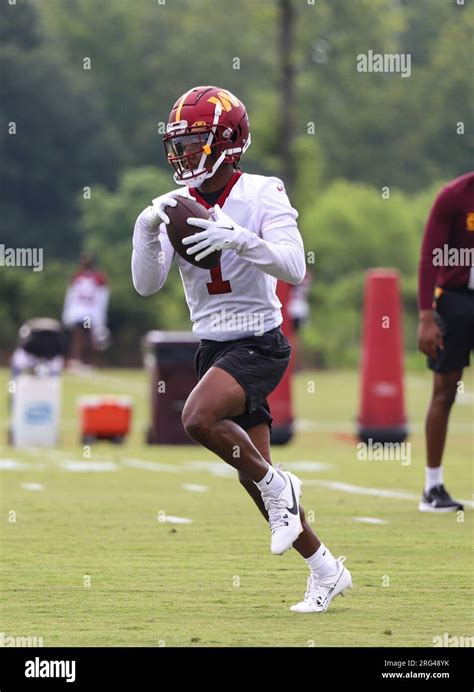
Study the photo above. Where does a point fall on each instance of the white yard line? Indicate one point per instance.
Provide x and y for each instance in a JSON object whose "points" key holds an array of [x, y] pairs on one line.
{"points": [[18, 465], [370, 520], [195, 487], [307, 466], [146, 465], [168, 519], [375, 492], [306, 425], [83, 466]]}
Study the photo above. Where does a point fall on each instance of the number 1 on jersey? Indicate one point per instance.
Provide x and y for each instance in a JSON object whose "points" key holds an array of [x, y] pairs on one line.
{"points": [[218, 285]]}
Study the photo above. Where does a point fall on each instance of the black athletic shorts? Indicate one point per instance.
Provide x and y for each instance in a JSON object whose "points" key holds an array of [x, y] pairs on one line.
{"points": [[454, 314], [257, 363]]}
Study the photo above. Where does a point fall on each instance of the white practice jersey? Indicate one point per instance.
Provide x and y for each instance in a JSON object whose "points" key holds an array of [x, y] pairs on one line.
{"points": [[87, 298], [237, 298]]}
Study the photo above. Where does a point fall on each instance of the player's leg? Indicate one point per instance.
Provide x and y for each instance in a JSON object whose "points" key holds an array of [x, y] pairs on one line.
{"points": [[328, 576], [77, 345], [217, 398], [435, 497], [455, 315], [307, 542], [214, 400], [444, 393]]}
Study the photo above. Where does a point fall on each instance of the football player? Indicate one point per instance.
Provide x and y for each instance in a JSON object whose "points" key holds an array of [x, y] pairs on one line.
{"points": [[236, 314]]}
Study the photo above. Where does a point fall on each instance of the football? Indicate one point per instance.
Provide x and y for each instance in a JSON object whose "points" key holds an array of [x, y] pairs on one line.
{"points": [[178, 228]]}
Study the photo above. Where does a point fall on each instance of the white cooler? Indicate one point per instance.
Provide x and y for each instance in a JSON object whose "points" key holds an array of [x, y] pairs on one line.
{"points": [[36, 411]]}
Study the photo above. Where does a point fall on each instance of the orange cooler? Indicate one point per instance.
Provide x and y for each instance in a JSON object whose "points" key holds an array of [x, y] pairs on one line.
{"points": [[104, 418]]}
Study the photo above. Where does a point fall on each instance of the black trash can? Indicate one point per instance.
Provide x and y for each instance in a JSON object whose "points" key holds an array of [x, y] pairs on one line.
{"points": [[169, 358]]}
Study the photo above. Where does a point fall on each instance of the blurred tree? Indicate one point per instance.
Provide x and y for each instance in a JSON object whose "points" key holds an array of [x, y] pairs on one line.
{"points": [[377, 128], [447, 99], [79, 127], [54, 140], [287, 90], [349, 229], [145, 55], [382, 128]]}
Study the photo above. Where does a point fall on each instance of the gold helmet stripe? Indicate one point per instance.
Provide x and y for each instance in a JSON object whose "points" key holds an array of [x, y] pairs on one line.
{"points": [[180, 106]]}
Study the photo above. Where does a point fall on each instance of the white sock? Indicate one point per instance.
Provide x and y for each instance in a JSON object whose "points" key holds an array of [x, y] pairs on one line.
{"points": [[272, 483], [433, 477], [322, 563]]}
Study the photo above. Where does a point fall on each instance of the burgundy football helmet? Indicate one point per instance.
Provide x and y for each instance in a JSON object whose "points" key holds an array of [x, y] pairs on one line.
{"points": [[207, 126]]}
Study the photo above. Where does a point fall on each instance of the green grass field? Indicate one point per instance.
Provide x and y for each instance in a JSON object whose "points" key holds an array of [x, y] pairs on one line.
{"points": [[88, 562]]}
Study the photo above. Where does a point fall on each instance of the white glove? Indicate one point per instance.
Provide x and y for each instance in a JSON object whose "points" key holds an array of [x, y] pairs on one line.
{"points": [[221, 233], [156, 214]]}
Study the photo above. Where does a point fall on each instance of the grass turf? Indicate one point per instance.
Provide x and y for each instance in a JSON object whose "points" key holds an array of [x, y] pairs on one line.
{"points": [[88, 561]]}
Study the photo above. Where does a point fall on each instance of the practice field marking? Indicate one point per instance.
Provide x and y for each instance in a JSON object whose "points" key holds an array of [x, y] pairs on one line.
{"points": [[215, 468], [32, 486], [308, 465], [195, 487], [146, 465], [88, 466], [375, 492], [219, 469], [15, 465], [359, 490], [370, 520], [169, 519], [304, 425]]}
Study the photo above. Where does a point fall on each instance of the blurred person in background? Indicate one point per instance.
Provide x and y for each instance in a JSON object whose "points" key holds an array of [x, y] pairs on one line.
{"points": [[446, 321], [299, 312], [85, 313], [298, 303]]}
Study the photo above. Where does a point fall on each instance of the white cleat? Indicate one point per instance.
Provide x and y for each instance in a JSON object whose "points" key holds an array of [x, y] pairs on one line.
{"points": [[284, 514], [320, 593]]}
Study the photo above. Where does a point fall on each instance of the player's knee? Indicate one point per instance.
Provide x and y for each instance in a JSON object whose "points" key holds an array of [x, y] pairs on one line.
{"points": [[196, 424], [445, 397]]}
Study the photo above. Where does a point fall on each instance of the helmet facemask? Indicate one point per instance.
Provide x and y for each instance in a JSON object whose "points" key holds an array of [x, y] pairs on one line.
{"points": [[194, 153]]}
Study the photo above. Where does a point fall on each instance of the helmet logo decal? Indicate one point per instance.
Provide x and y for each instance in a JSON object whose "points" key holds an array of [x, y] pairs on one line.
{"points": [[225, 99]]}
